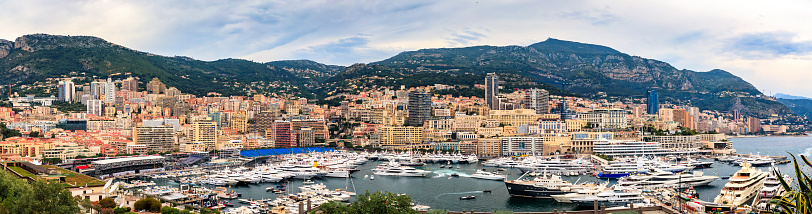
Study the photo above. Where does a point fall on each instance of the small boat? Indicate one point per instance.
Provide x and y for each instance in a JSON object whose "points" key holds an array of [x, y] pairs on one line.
{"points": [[279, 191], [468, 197], [455, 175], [726, 177], [228, 204], [458, 167], [371, 177], [268, 188], [308, 182], [501, 169], [486, 191]]}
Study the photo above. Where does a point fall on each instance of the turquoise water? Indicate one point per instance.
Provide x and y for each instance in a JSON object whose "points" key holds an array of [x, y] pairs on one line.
{"points": [[441, 192]]}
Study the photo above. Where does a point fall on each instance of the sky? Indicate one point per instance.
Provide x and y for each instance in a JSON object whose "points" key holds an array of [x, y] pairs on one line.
{"points": [[767, 43]]}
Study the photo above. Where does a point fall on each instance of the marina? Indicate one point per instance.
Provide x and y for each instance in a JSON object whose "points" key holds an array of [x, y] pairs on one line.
{"points": [[439, 189]]}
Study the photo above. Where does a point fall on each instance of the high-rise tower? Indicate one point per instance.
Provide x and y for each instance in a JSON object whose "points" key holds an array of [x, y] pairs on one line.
{"points": [[492, 90], [653, 106]]}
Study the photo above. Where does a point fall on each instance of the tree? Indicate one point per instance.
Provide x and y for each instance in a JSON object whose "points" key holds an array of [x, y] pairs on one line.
{"points": [[148, 204], [48, 197], [169, 210], [119, 210], [378, 202], [332, 144], [107, 203], [11, 191], [347, 144], [33, 134], [52, 160], [86, 204]]}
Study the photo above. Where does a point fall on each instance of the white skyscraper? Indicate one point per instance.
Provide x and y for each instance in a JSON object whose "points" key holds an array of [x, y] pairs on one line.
{"points": [[95, 107], [537, 99], [66, 91], [109, 91], [97, 90]]}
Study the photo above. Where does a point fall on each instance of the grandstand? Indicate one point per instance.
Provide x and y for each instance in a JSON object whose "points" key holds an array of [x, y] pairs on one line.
{"points": [[282, 151]]}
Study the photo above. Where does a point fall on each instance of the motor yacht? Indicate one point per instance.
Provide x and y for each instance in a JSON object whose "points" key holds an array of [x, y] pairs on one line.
{"points": [[482, 174], [742, 186], [662, 179], [401, 171], [610, 199], [544, 187], [565, 198], [771, 188]]}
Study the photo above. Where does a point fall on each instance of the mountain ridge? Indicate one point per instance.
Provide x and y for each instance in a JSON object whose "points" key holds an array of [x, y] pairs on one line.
{"points": [[592, 70]]}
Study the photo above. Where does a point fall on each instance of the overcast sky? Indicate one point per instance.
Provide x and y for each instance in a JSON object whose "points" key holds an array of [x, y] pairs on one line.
{"points": [[768, 43]]}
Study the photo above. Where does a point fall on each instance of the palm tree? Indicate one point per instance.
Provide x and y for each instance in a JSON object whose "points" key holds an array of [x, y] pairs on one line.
{"points": [[795, 200]]}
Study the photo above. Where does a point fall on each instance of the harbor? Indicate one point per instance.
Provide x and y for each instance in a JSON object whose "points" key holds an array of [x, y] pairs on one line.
{"points": [[446, 184]]}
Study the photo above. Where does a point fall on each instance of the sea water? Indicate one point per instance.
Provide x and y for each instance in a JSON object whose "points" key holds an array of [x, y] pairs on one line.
{"points": [[441, 191]]}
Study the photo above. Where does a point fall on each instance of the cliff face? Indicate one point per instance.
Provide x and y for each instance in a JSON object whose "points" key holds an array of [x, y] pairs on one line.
{"points": [[36, 42], [5, 47]]}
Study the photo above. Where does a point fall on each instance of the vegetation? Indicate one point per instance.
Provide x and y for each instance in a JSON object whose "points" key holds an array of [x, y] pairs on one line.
{"points": [[77, 179], [147, 204], [378, 202], [69, 107], [40, 196], [7, 133], [105, 204], [795, 200], [602, 156]]}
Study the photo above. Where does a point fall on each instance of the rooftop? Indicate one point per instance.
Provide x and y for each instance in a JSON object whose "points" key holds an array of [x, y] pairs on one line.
{"points": [[117, 160]]}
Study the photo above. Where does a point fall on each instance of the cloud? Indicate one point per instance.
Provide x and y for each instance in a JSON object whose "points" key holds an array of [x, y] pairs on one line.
{"points": [[464, 38], [691, 34], [767, 45], [346, 50], [595, 16]]}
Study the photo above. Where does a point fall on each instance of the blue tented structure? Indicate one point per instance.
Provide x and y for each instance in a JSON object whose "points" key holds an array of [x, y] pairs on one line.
{"points": [[282, 151]]}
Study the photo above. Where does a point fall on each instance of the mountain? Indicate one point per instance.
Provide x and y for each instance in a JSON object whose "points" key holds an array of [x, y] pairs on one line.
{"points": [[593, 70], [33, 58], [790, 97]]}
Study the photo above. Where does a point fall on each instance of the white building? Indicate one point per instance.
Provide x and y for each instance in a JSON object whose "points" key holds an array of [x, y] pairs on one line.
{"points": [[606, 118], [522, 146], [109, 91], [95, 107], [66, 91]]}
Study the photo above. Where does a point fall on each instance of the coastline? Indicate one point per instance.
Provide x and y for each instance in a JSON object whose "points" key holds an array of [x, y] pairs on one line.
{"points": [[759, 136]]}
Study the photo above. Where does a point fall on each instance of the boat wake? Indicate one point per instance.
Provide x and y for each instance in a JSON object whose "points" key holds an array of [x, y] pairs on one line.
{"points": [[457, 193], [807, 152], [445, 173]]}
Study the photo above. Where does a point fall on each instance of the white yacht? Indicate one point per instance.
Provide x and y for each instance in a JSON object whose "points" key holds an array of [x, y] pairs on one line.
{"points": [[660, 179], [771, 188], [593, 191], [610, 199], [558, 166], [401, 171], [482, 174], [742, 186], [338, 173]]}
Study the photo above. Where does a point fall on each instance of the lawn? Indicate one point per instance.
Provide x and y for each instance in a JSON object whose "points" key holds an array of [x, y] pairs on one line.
{"points": [[79, 179], [22, 172]]}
